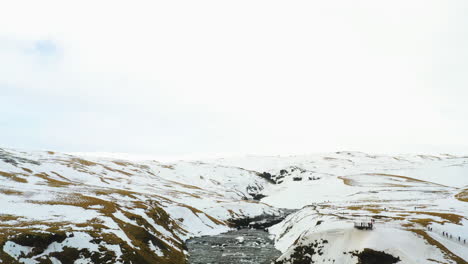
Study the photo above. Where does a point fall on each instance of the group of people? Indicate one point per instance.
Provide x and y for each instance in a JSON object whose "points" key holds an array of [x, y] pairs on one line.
{"points": [[447, 235]]}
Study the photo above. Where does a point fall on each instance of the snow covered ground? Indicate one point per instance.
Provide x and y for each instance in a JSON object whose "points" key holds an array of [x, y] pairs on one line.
{"points": [[65, 208]]}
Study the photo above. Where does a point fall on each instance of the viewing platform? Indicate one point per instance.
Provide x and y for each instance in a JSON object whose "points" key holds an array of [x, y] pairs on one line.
{"points": [[365, 225]]}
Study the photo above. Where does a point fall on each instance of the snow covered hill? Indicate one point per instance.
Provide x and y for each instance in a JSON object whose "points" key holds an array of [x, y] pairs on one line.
{"points": [[62, 208], [67, 209], [414, 200]]}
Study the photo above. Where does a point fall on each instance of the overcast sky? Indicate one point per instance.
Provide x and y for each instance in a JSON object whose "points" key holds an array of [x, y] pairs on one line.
{"points": [[259, 77]]}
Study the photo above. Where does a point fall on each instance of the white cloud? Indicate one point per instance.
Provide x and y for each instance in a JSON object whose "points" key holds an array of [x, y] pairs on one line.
{"points": [[244, 76]]}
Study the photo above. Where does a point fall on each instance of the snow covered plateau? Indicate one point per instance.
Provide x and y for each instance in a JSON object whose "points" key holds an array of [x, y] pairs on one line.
{"points": [[65, 208]]}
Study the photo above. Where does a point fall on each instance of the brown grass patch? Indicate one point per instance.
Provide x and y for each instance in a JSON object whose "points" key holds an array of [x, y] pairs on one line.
{"points": [[14, 176], [188, 186], [448, 217], [60, 176], [50, 181], [83, 162], [7, 217], [27, 170], [11, 192], [117, 170], [83, 201], [408, 179], [462, 196], [368, 207], [431, 157], [126, 193], [197, 212], [140, 234], [452, 218], [347, 181], [436, 261], [424, 221], [121, 163], [408, 225]]}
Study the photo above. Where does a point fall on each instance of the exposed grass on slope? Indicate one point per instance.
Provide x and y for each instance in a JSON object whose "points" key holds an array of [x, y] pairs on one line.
{"points": [[139, 231], [14, 176], [408, 179], [117, 170], [125, 193], [83, 165], [449, 217], [27, 170], [141, 237], [462, 196], [136, 221], [409, 215], [10, 192], [373, 208], [81, 200], [122, 163], [8, 217], [40, 241], [348, 180], [423, 221], [448, 254], [83, 162], [198, 212], [188, 186], [51, 181]]}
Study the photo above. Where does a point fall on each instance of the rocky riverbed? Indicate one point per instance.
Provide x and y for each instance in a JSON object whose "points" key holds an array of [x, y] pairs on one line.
{"points": [[250, 243], [238, 246]]}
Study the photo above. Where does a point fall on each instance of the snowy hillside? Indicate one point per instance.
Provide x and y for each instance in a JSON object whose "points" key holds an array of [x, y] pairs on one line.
{"points": [[61, 208], [414, 199]]}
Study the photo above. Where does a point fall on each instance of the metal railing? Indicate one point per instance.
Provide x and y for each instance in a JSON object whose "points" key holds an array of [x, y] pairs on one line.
{"points": [[364, 225]]}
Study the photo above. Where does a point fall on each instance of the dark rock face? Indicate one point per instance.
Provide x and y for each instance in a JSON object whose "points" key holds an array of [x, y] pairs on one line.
{"points": [[14, 160], [262, 221], [258, 197], [303, 254], [267, 176], [240, 246], [370, 256], [297, 174], [255, 192]]}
